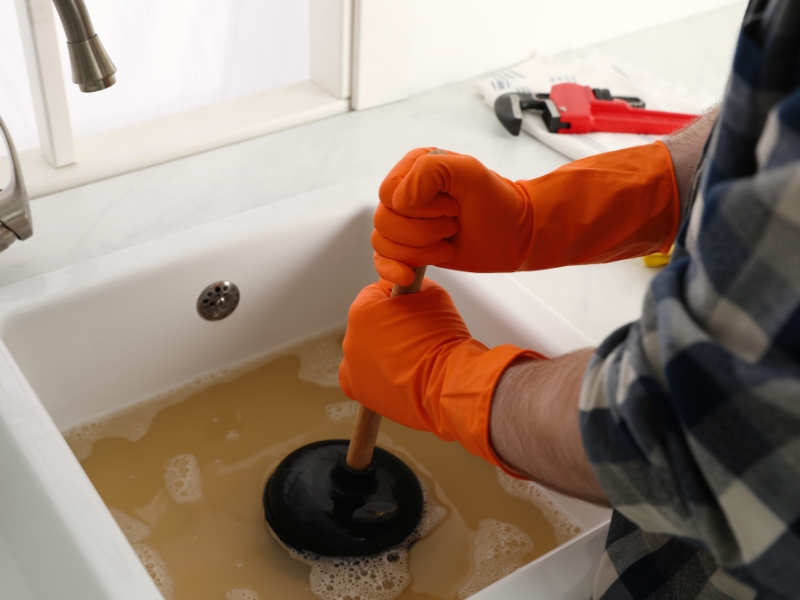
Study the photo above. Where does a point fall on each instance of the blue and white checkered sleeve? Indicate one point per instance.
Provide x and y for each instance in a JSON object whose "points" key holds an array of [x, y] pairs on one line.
{"points": [[691, 416]]}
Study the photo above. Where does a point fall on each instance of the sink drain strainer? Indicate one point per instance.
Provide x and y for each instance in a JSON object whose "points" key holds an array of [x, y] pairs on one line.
{"points": [[218, 300]]}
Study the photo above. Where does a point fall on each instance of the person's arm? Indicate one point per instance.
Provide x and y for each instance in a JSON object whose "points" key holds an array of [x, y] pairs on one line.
{"points": [[685, 148], [450, 211], [534, 426]]}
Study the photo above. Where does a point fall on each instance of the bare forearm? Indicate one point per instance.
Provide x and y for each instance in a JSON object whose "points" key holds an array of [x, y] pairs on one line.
{"points": [[685, 147], [534, 425], [534, 422]]}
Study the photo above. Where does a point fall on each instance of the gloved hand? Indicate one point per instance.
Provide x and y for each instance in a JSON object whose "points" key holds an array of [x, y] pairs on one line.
{"points": [[412, 359], [450, 211]]}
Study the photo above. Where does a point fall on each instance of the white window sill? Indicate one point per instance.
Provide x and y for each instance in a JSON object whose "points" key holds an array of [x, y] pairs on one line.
{"points": [[179, 135]]}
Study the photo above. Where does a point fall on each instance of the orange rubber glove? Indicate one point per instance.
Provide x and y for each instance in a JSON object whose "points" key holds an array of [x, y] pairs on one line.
{"points": [[412, 360], [450, 211]]}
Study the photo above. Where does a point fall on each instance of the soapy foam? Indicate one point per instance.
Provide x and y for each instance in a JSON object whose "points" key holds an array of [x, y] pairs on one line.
{"points": [[319, 356], [319, 362], [241, 594], [157, 568], [134, 529], [380, 577], [498, 550], [182, 478], [341, 411], [566, 527]]}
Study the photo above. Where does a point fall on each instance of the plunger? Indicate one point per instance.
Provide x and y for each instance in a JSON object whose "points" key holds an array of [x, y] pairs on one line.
{"points": [[334, 498]]}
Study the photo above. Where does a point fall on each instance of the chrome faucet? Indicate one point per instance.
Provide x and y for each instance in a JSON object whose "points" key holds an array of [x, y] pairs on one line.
{"points": [[15, 212], [92, 69]]}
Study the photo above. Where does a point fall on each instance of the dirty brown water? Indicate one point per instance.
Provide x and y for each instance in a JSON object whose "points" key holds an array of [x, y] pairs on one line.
{"points": [[186, 488]]}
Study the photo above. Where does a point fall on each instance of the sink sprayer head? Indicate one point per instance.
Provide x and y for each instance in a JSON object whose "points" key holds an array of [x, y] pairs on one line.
{"points": [[92, 69]]}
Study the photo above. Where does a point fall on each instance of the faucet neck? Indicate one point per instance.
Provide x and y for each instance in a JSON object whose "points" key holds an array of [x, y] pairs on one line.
{"points": [[75, 20]]}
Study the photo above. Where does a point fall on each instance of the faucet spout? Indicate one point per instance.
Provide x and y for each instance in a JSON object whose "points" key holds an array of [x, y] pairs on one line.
{"points": [[92, 69], [15, 212]]}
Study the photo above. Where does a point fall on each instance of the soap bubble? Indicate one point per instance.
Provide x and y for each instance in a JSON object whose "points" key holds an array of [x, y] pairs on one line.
{"points": [[499, 549], [380, 577], [134, 529], [182, 478], [565, 525], [157, 568]]}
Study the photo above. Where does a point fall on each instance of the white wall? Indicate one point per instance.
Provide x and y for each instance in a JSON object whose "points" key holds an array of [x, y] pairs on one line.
{"points": [[453, 40]]}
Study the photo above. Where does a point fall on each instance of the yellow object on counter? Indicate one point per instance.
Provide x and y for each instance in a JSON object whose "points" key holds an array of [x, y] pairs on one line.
{"points": [[657, 259]]}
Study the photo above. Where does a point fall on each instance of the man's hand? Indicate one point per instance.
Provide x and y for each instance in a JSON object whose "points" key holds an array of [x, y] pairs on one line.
{"points": [[451, 211], [413, 360]]}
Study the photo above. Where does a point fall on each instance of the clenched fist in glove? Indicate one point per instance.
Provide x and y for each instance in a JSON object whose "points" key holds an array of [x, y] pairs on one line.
{"points": [[412, 359], [450, 211]]}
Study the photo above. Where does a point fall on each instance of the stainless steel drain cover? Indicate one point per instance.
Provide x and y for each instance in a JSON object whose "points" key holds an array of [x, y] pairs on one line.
{"points": [[218, 300]]}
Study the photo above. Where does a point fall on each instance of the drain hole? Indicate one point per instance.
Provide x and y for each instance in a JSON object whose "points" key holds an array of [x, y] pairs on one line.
{"points": [[218, 300]]}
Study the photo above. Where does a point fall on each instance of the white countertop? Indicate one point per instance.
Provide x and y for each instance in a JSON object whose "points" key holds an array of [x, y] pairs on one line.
{"points": [[131, 209]]}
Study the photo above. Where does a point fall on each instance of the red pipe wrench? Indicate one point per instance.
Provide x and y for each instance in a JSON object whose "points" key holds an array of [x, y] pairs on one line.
{"points": [[574, 108]]}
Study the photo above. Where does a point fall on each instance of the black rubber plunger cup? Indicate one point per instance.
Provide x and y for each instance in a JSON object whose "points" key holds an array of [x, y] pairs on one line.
{"points": [[315, 502], [339, 498]]}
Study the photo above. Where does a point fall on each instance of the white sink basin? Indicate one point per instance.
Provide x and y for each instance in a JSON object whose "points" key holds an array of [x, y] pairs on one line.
{"points": [[92, 338]]}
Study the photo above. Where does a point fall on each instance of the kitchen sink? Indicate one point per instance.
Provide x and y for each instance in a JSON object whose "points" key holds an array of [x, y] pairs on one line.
{"points": [[93, 338]]}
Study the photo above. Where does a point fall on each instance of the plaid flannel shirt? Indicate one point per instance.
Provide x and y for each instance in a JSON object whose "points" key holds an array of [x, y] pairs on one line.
{"points": [[691, 415]]}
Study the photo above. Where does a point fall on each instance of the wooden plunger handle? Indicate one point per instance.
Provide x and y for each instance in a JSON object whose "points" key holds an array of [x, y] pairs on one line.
{"points": [[365, 431]]}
